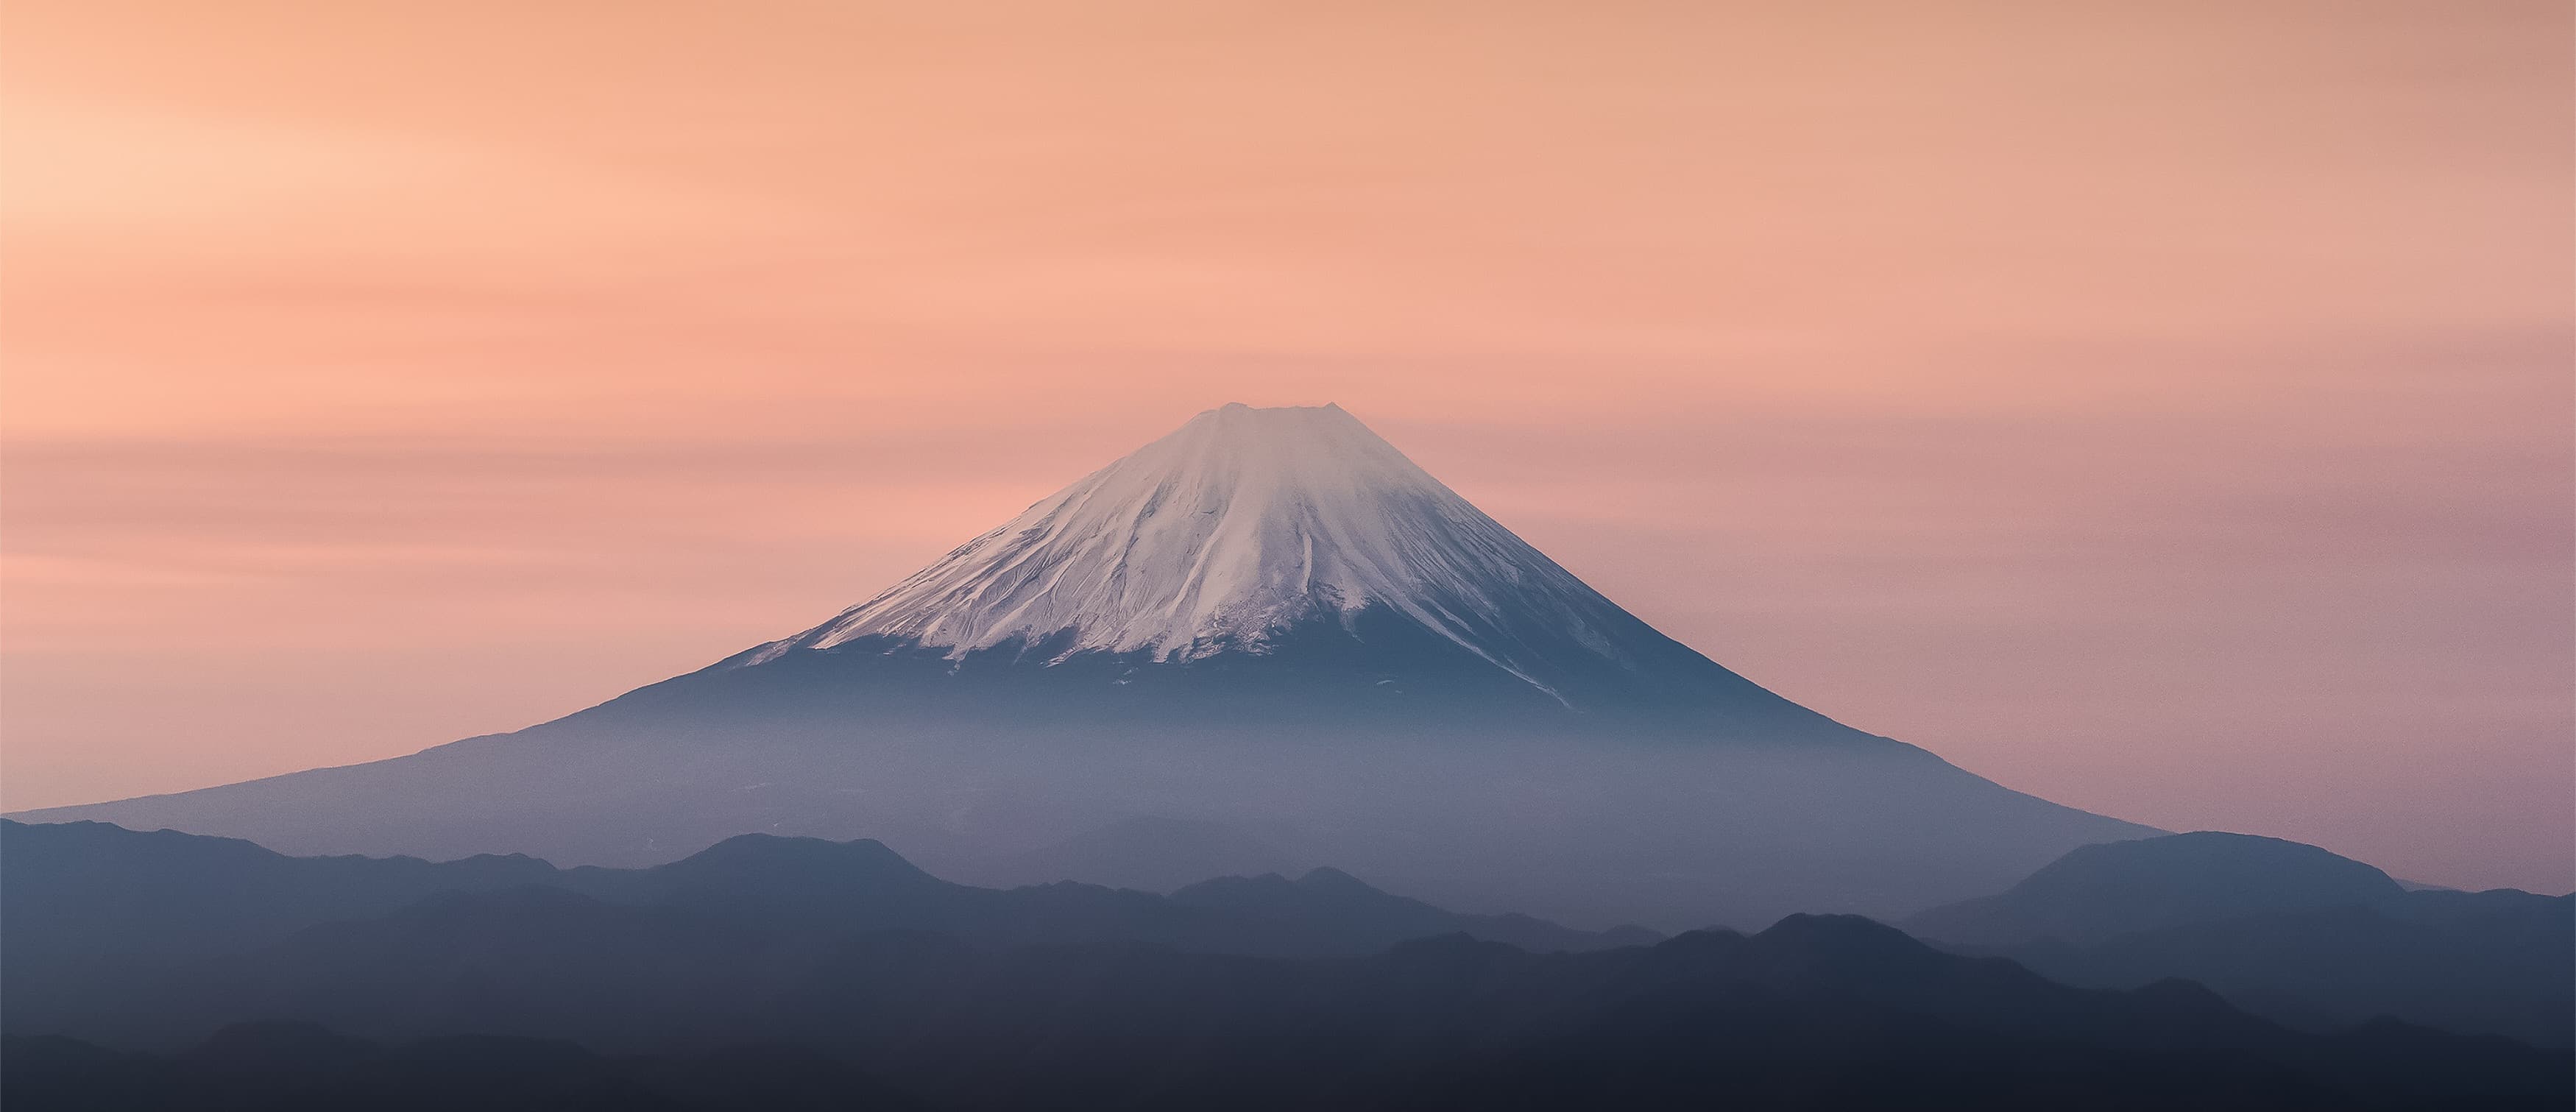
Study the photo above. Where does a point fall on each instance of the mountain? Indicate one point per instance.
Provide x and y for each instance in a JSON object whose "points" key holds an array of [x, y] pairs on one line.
{"points": [[80, 902], [1270, 621], [1261, 533], [779, 972], [2100, 891], [1815, 1012], [97, 919], [1329, 903], [2287, 931]]}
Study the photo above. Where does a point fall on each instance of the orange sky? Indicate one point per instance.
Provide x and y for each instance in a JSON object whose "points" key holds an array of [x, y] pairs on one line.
{"points": [[2161, 407]]}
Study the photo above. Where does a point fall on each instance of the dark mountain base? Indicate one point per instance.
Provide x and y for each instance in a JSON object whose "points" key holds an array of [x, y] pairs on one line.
{"points": [[1594, 833], [138, 937], [1683, 796], [1815, 1014], [2286, 930], [780, 973]]}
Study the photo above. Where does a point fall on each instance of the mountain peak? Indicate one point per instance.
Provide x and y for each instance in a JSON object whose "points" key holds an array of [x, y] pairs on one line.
{"points": [[1240, 525], [1310, 565], [2099, 891], [1270, 412]]}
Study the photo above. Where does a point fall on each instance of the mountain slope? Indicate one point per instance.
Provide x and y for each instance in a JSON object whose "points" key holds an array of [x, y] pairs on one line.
{"points": [[1247, 527], [87, 907], [1270, 621], [2286, 930], [2100, 891], [1815, 1012], [83, 900], [1330, 903]]}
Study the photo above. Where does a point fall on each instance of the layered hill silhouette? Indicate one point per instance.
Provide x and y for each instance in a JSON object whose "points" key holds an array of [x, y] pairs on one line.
{"points": [[770, 972], [2286, 930], [1815, 1013], [96, 917], [1269, 623], [2103, 891]]}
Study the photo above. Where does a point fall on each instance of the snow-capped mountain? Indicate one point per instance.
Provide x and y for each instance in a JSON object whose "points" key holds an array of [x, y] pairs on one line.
{"points": [[1292, 531], [1271, 624], [1240, 525]]}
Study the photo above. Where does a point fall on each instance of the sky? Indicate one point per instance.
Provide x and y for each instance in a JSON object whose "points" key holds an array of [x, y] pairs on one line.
{"points": [[2164, 408]]}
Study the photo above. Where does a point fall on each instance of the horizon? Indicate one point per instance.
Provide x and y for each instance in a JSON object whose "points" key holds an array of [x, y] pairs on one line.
{"points": [[2188, 445]]}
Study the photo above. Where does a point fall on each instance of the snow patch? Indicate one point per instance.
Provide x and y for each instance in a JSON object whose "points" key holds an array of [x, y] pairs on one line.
{"points": [[1242, 523]]}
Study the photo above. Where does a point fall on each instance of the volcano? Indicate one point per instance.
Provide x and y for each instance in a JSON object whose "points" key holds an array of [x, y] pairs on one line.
{"points": [[1269, 623], [1288, 559]]}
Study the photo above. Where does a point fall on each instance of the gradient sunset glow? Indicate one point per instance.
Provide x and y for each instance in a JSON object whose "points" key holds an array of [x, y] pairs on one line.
{"points": [[2161, 408]]}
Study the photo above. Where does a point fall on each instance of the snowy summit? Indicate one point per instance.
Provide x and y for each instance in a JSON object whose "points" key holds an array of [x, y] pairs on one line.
{"points": [[1241, 525]]}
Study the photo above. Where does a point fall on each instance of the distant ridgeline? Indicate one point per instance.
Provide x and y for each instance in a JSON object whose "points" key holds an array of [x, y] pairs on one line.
{"points": [[172, 971]]}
